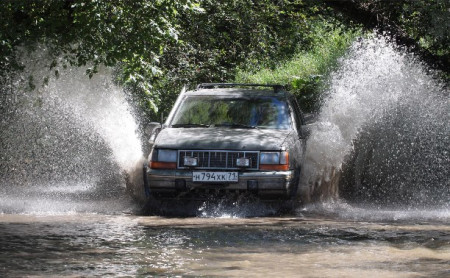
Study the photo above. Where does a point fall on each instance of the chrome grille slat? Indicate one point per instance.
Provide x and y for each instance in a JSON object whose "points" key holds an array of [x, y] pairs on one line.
{"points": [[218, 159]]}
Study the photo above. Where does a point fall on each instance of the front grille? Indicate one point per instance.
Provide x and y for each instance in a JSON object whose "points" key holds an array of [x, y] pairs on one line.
{"points": [[218, 159]]}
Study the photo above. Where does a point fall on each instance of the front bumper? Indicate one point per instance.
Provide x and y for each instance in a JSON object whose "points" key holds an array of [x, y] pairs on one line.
{"points": [[270, 185]]}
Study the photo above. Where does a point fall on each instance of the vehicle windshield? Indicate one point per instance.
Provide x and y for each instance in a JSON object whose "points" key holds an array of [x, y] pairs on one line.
{"points": [[235, 112]]}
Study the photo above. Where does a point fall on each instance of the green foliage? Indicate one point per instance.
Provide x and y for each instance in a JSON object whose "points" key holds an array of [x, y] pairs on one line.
{"points": [[424, 21], [233, 35], [157, 46], [133, 33], [306, 73], [428, 23]]}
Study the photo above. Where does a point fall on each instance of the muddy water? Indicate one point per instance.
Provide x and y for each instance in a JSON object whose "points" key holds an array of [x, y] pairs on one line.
{"points": [[306, 244]]}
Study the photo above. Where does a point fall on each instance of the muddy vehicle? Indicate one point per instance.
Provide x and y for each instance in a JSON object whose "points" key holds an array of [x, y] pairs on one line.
{"points": [[226, 139]]}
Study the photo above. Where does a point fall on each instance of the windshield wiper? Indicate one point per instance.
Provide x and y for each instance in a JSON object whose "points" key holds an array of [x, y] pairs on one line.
{"points": [[190, 125], [235, 125]]}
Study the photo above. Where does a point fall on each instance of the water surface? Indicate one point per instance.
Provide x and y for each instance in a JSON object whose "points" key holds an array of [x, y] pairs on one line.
{"points": [[308, 244]]}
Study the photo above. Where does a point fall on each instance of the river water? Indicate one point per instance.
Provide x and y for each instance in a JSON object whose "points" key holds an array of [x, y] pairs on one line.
{"points": [[381, 206], [303, 245]]}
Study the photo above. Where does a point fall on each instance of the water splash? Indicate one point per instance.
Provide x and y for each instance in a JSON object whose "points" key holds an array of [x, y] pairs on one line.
{"points": [[240, 208], [386, 120], [382, 134], [102, 105], [72, 131], [341, 209]]}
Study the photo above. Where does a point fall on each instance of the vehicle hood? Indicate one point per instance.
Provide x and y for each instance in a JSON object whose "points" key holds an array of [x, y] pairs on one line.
{"points": [[223, 139]]}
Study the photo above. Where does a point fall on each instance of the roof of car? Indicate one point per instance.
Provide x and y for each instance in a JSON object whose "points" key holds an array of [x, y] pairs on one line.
{"points": [[230, 91], [236, 92]]}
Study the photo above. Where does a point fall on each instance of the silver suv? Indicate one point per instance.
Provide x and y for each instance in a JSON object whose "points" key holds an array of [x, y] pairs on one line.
{"points": [[222, 139]]}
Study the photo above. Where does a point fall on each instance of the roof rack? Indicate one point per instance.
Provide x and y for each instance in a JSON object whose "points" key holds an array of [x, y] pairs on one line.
{"points": [[276, 87]]}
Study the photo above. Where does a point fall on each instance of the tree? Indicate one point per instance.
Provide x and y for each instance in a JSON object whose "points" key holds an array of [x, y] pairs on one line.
{"points": [[133, 33], [421, 25], [232, 35]]}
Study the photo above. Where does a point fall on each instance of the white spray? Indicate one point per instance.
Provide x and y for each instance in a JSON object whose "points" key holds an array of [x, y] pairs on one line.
{"points": [[72, 137], [373, 81]]}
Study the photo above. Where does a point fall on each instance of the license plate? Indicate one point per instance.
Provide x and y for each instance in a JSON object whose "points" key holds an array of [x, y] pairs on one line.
{"points": [[199, 176]]}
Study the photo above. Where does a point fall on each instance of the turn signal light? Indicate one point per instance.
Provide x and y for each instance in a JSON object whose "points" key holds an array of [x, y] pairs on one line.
{"points": [[162, 165], [274, 167]]}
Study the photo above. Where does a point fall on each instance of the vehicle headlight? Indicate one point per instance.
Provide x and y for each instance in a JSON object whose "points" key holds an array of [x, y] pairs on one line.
{"points": [[269, 158], [163, 159], [274, 161], [164, 155]]}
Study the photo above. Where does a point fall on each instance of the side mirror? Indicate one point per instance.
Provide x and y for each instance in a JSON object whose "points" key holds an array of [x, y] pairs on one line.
{"points": [[153, 130], [309, 118]]}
